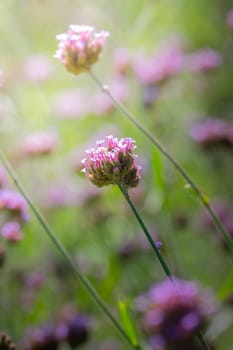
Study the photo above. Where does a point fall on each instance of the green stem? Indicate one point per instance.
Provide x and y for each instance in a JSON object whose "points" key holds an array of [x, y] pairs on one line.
{"points": [[86, 283], [161, 259], [175, 163]]}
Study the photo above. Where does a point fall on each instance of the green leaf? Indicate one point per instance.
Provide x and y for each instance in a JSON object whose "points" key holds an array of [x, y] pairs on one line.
{"points": [[127, 322]]}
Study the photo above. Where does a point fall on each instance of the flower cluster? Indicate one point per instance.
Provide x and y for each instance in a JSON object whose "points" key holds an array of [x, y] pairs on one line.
{"points": [[80, 47], [174, 313], [112, 162], [15, 211], [39, 144]]}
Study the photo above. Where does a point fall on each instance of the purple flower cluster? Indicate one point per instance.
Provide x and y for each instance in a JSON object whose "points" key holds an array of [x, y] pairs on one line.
{"points": [[204, 60], [80, 47], [74, 331], [174, 313], [213, 132], [112, 162], [15, 208]]}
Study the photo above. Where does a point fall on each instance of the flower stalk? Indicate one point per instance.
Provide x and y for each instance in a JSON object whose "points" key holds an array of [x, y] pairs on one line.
{"points": [[203, 198], [60, 247]]}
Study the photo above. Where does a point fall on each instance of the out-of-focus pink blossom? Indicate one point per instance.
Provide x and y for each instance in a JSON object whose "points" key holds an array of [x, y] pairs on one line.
{"points": [[111, 162], [80, 47], [230, 19], [39, 144], [204, 60], [38, 68], [14, 203], [71, 104], [121, 61], [11, 231], [160, 67], [213, 132]]}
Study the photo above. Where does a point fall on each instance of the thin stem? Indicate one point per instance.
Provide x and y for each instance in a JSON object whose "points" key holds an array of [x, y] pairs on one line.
{"points": [[86, 283], [161, 259], [175, 163]]}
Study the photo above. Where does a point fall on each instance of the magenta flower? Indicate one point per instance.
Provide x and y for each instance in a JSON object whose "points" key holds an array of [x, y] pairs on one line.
{"points": [[80, 48], [112, 162]]}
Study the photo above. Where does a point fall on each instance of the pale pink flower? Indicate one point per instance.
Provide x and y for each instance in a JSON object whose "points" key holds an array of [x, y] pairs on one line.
{"points": [[11, 231], [111, 162], [121, 61], [39, 143], [80, 47]]}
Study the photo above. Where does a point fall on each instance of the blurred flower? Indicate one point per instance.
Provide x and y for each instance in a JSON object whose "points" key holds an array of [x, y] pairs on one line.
{"points": [[150, 93], [37, 68], [230, 19], [39, 144], [11, 231], [163, 65], [77, 331], [6, 343], [71, 104], [204, 60], [112, 162], [121, 60], [80, 47], [41, 339], [34, 280], [174, 313], [213, 132], [14, 203]]}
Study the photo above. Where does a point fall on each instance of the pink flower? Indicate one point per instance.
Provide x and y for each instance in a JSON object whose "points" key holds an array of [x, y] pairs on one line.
{"points": [[163, 65], [80, 47], [39, 143], [12, 231], [112, 162], [14, 203], [204, 60]]}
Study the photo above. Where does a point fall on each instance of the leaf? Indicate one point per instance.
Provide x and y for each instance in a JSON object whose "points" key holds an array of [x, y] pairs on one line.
{"points": [[127, 322]]}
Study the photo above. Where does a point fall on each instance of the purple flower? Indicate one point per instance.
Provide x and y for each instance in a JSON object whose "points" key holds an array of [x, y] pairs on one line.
{"points": [[39, 143], [112, 162], [174, 313], [80, 47]]}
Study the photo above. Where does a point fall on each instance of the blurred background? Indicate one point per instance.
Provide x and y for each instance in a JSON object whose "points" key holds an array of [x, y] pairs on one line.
{"points": [[171, 63]]}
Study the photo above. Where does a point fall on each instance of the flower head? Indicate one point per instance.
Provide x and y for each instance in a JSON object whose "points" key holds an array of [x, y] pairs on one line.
{"points": [[11, 231], [174, 313], [112, 162], [80, 47]]}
